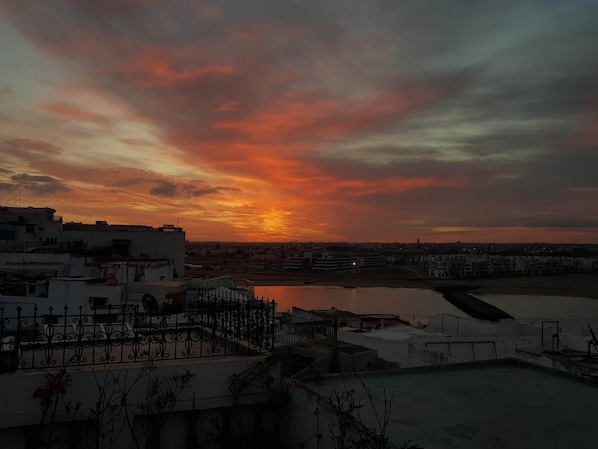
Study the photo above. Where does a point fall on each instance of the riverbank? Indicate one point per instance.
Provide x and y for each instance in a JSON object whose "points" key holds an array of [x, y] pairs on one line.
{"points": [[576, 284]]}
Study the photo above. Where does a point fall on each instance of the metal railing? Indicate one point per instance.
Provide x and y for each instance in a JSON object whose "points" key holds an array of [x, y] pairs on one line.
{"points": [[297, 333], [211, 327]]}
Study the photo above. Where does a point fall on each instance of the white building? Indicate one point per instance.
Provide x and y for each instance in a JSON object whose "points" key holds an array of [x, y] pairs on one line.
{"points": [[329, 262], [29, 229], [24, 228]]}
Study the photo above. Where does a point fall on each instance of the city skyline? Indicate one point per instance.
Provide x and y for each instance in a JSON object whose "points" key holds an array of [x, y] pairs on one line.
{"points": [[279, 121]]}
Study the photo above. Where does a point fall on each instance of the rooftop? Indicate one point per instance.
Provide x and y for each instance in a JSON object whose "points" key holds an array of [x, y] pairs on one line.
{"points": [[481, 405]]}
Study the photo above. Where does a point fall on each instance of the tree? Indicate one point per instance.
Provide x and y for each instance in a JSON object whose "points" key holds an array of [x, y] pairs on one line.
{"points": [[114, 408]]}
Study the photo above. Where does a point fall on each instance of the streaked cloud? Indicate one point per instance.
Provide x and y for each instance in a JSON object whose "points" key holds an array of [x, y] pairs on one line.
{"points": [[267, 120], [69, 111]]}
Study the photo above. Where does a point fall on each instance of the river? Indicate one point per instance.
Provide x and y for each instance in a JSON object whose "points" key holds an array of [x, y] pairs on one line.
{"points": [[410, 303], [419, 304], [532, 307]]}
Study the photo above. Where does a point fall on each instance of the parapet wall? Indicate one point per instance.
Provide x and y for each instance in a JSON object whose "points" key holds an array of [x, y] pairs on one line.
{"points": [[209, 388]]}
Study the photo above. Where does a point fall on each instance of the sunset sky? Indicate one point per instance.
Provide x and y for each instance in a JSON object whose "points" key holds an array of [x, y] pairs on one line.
{"points": [[328, 120]]}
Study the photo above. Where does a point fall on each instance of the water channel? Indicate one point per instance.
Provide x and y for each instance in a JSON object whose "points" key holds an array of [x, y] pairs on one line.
{"points": [[419, 304], [411, 304]]}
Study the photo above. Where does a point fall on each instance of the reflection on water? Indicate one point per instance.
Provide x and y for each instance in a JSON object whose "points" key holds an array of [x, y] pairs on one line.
{"points": [[532, 307], [419, 304], [411, 304], [575, 315]]}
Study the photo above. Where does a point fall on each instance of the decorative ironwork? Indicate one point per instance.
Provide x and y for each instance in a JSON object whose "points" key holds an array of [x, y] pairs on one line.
{"points": [[304, 332], [210, 326]]}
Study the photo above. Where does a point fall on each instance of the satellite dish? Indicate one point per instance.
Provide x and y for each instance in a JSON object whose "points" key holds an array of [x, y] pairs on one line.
{"points": [[150, 303]]}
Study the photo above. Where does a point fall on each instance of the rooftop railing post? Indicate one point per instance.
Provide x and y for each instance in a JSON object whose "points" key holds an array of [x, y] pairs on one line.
{"points": [[64, 333], [273, 324], [19, 336], [49, 331], [36, 335], [79, 328], [247, 322], [335, 340], [239, 317], [108, 336]]}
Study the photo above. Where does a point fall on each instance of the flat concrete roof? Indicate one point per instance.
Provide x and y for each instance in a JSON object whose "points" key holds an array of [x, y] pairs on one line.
{"points": [[484, 405]]}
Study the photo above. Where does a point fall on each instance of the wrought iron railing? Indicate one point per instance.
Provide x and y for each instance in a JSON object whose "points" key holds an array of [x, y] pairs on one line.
{"points": [[292, 334], [210, 327]]}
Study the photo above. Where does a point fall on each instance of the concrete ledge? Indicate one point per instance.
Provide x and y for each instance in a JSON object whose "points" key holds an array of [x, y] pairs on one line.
{"points": [[209, 386], [572, 363]]}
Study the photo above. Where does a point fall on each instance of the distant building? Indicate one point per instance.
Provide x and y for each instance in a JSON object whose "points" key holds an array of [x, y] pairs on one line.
{"points": [[470, 266], [299, 263], [371, 261], [27, 227], [335, 263]]}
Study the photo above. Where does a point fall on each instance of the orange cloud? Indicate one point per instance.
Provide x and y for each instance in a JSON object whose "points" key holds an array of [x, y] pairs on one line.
{"points": [[206, 10], [305, 117], [228, 106], [400, 184], [67, 110], [161, 66]]}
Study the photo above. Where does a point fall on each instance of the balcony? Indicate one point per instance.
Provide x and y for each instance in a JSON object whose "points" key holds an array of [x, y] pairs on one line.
{"points": [[211, 327]]}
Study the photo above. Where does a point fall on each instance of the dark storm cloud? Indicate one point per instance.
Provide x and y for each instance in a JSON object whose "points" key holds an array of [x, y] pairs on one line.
{"points": [[512, 142], [556, 94], [567, 167], [164, 188], [407, 167], [169, 189], [202, 191], [43, 185], [130, 182]]}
